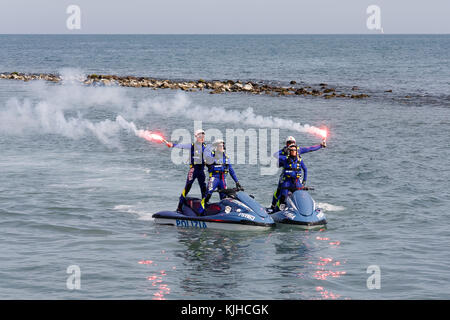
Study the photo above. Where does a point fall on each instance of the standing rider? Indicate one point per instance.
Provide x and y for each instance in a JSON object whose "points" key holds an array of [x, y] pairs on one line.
{"points": [[292, 165], [197, 165], [284, 152], [218, 167]]}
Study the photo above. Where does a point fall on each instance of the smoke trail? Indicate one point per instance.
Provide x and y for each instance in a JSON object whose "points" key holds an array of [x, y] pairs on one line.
{"points": [[61, 109], [182, 106], [19, 118]]}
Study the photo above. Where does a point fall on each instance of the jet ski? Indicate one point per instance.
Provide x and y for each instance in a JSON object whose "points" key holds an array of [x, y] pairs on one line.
{"points": [[237, 211], [300, 210]]}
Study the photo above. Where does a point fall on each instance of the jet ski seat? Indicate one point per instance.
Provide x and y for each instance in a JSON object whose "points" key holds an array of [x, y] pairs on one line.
{"points": [[195, 204], [212, 209]]}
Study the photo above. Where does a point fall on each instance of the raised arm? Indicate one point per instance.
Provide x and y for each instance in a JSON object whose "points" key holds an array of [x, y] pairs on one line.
{"points": [[309, 149], [181, 145], [208, 155]]}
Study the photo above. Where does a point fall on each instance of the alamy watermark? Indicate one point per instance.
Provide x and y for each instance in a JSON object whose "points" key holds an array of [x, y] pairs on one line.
{"points": [[73, 282], [250, 146], [73, 22], [374, 280], [374, 20]]}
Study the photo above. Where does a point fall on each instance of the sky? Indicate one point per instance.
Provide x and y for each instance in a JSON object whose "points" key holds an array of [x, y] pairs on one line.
{"points": [[224, 17]]}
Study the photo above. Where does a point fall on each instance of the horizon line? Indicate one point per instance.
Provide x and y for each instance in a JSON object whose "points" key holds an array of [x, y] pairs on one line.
{"points": [[220, 34]]}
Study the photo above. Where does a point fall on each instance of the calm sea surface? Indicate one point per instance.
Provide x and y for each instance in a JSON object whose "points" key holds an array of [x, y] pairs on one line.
{"points": [[76, 188]]}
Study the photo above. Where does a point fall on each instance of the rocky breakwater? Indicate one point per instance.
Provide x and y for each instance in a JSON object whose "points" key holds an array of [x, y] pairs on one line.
{"points": [[213, 87], [28, 77]]}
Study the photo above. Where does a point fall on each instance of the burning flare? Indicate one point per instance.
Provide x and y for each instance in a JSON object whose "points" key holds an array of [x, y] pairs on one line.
{"points": [[151, 136], [320, 132]]}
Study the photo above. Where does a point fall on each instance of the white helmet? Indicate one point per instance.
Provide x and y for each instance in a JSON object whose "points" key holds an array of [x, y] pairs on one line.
{"points": [[218, 141], [197, 132], [290, 138]]}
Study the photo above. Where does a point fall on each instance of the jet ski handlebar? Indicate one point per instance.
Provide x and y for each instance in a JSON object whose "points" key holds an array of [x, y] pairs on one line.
{"points": [[230, 192]]}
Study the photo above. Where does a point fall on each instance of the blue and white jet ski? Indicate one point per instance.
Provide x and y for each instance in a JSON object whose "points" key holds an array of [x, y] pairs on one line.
{"points": [[300, 210], [237, 211]]}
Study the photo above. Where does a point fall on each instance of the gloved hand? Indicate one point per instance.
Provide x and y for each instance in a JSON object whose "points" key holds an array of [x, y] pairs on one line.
{"points": [[324, 144], [238, 186], [303, 183]]}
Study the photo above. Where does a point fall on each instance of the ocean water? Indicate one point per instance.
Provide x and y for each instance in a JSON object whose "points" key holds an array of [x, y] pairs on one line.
{"points": [[78, 189]]}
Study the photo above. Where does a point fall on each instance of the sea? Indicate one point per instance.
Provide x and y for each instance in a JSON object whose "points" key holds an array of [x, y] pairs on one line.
{"points": [[78, 188]]}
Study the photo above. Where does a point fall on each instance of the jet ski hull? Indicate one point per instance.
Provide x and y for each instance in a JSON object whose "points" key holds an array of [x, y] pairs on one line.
{"points": [[300, 211], [239, 213], [280, 218], [182, 221]]}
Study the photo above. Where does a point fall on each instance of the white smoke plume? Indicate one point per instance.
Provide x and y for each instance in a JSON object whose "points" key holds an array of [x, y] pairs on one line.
{"points": [[61, 109], [182, 106]]}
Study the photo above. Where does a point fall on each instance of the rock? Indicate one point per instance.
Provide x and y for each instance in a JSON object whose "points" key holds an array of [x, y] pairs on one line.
{"points": [[247, 87], [165, 84], [354, 88], [293, 82], [227, 87], [217, 85], [359, 96], [237, 86], [390, 90], [323, 84], [285, 92], [300, 91], [329, 90]]}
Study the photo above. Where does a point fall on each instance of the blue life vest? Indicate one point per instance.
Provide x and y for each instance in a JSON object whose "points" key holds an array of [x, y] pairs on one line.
{"points": [[197, 158], [219, 168], [292, 169]]}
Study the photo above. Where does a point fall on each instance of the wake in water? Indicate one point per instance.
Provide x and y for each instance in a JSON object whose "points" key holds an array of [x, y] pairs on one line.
{"points": [[133, 209], [329, 207]]}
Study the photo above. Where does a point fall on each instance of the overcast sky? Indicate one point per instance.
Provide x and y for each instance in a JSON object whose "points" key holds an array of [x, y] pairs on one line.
{"points": [[224, 16]]}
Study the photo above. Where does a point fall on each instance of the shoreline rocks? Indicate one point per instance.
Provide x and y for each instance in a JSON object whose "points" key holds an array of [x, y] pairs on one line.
{"points": [[214, 86]]}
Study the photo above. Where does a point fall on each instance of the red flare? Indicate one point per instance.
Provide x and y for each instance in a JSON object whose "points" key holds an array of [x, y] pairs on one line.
{"points": [[152, 136], [320, 132], [324, 133]]}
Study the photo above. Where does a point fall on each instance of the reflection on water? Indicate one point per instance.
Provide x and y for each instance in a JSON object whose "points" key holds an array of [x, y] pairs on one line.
{"points": [[283, 263], [298, 256], [210, 253], [156, 279]]}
